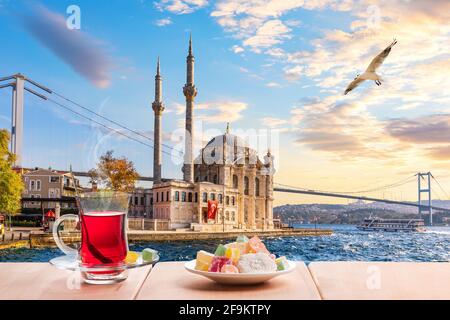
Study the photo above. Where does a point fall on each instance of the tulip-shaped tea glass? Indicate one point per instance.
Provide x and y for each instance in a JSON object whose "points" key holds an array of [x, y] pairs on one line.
{"points": [[104, 246]]}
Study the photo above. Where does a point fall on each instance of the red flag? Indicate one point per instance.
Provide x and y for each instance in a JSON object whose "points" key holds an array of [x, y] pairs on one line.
{"points": [[212, 209]]}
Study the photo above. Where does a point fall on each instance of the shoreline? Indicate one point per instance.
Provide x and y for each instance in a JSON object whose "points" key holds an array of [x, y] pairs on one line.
{"points": [[45, 240]]}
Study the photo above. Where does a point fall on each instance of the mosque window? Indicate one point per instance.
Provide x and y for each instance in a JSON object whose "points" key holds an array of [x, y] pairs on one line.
{"points": [[246, 184], [227, 217], [233, 216], [196, 197], [190, 197], [235, 181], [215, 179], [233, 201], [220, 196], [257, 187], [212, 196], [177, 195], [205, 197], [168, 196], [227, 200], [183, 196]]}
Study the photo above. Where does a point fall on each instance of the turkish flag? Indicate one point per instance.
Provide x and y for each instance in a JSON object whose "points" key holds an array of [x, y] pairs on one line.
{"points": [[212, 209]]}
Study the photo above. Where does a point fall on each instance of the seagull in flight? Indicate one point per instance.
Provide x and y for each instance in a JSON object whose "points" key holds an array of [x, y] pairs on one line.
{"points": [[370, 74]]}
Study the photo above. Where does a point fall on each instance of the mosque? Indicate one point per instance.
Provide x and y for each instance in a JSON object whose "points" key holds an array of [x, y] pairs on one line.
{"points": [[226, 170]]}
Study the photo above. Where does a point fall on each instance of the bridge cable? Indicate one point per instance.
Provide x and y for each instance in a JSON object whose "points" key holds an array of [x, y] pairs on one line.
{"points": [[112, 121], [105, 126], [442, 189], [389, 186]]}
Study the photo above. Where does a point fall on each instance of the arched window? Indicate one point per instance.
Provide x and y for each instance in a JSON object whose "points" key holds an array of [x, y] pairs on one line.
{"points": [[227, 200], [196, 197], [215, 179], [220, 198], [227, 216], [190, 197], [157, 197], [205, 197], [168, 196], [177, 195], [246, 183], [212, 196], [257, 187], [183, 196], [235, 181], [233, 216], [233, 201]]}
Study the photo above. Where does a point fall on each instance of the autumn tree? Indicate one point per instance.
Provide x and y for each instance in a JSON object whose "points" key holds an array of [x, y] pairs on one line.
{"points": [[11, 185], [117, 174]]}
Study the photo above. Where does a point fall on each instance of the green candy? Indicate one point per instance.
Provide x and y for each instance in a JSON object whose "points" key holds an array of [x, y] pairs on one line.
{"points": [[242, 238], [220, 251], [149, 254]]}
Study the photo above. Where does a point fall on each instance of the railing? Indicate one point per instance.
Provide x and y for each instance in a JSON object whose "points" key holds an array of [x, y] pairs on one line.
{"points": [[148, 224]]}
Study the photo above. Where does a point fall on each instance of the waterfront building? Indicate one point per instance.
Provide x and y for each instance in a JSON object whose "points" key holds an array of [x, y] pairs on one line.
{"points": [[226, 170], [48, 183]]}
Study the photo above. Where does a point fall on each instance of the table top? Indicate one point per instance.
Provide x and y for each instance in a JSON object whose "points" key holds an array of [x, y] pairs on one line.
{"points": [[382, 280], [169, 280], [42, 281]]}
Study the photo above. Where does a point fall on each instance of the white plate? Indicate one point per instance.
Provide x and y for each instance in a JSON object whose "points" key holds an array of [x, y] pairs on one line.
{"points": [[238, 278], [73, 263]]}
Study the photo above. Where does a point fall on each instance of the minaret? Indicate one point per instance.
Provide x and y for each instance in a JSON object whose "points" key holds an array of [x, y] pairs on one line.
{"points": [[190, 91], [158, 108]]}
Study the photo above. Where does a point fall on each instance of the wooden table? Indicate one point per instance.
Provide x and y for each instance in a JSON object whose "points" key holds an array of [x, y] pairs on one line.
{"points": [[381, 280], [169, 280], [43, 281]]}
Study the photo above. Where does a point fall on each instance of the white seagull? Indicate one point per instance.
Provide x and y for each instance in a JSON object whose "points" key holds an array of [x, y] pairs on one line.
{"points": [[370, 74]]}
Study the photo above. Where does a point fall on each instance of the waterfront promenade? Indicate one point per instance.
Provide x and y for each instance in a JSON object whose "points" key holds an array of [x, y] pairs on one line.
{"points": [[42, 240], [169, 280]]}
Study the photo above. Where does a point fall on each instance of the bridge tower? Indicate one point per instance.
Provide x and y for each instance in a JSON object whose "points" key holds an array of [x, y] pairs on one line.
{"points": [[18, 90], [427, 209]]}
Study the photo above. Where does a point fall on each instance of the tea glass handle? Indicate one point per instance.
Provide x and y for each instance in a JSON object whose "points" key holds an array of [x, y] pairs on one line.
{"points": [[61, 245]]}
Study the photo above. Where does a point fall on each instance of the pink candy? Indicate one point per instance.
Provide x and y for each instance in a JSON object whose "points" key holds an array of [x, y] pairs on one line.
{"points": [[229, 268], [217, 263]]}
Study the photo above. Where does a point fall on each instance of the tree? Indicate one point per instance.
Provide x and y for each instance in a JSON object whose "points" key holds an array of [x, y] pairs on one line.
{"points": [[11, 184], [117, 174]]}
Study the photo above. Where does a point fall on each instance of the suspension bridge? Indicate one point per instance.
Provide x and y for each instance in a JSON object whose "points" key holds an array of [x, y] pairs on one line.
{"points": [[20, 83]]}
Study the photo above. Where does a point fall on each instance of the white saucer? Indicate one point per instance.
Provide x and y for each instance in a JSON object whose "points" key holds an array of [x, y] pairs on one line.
{"points": [[73, 263], [238, 278]]}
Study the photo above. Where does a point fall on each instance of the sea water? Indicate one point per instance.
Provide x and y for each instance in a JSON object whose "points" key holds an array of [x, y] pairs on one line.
{"points": [[347, 243]]}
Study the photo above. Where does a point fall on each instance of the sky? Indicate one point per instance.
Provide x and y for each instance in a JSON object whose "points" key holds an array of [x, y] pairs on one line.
{"points": [[263, 65]]}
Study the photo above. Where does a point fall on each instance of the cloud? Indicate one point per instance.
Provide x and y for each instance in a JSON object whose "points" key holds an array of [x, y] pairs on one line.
{"points": [[237, 49], [83, 53], [180, 6], [270, 33], [293, 73], [441, 153], [258, 24], [163, 22], [426, 129], [273, 85]]}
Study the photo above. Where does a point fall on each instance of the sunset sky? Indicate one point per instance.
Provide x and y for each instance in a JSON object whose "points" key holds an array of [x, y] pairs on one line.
{"points": [[259, 64]]}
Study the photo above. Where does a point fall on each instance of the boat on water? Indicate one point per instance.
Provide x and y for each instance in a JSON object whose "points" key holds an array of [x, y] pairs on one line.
{"points": [[393, 225]]}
